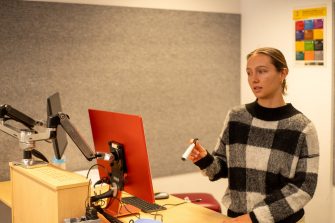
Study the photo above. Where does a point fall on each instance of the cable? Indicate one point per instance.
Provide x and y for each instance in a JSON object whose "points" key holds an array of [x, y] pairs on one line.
{"points": [[89, 170], [88, 202], [110, 218], [156, 214], [164, 205], [88, 194], [185, 202], [123, 204]]}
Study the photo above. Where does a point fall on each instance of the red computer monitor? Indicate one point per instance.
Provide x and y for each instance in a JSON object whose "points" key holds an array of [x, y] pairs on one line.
{"points": [[128, 130]]}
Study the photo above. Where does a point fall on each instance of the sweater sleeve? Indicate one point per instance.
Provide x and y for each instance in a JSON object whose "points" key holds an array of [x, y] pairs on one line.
{"points": [[215, 165], [300, 186]]}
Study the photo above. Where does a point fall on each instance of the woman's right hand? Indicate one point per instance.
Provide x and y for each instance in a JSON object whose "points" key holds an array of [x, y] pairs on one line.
{"points": [[198, 152]]}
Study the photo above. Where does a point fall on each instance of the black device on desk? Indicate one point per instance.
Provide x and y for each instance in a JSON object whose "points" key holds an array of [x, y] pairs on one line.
{"points": [[143, 205], [146, 206]]}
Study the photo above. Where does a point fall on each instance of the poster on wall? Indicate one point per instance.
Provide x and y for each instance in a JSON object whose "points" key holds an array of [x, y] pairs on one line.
{"points": [[310, 36]]}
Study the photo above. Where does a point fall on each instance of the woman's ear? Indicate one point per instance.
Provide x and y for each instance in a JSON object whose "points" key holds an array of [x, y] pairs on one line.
{"points": [[284, 73]]}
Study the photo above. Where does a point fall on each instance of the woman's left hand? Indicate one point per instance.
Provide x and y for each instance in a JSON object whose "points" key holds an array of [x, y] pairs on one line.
{"points": [[241, 219]]}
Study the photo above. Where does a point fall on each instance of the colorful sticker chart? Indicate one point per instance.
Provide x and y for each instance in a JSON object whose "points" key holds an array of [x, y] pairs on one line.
{"points": [[309, 36]]}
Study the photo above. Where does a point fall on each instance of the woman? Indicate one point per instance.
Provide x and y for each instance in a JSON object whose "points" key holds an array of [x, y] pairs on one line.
{"points": [[268, 150]]}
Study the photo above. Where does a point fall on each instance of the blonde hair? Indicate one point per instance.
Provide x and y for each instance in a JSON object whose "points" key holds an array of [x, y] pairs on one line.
{"points": [[277, 58]]}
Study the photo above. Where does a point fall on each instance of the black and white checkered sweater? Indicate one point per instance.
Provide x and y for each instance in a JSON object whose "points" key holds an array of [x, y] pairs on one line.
{"points": [[270, 156]]}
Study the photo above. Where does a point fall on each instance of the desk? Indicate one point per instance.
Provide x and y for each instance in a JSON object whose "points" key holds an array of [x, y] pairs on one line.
{"points": [[185, 213]]}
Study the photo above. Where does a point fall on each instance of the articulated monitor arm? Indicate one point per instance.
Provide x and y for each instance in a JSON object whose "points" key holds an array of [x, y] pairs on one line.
{"points": [[8, 112], [64, 120], [27, 137]]}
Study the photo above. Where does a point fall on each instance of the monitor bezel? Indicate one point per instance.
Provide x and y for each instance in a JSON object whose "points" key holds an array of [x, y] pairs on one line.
{"points": [[60, 142]]}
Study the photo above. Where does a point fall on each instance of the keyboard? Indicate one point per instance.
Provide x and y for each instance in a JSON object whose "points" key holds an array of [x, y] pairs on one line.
{"points": [[143, 205]]}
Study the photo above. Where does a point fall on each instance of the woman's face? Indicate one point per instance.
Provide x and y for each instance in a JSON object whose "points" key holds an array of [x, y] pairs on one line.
{"points": [[264, 79]]}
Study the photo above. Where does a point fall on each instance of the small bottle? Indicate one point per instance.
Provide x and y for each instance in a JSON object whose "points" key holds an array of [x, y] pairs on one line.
{"points": [[60, 163]]}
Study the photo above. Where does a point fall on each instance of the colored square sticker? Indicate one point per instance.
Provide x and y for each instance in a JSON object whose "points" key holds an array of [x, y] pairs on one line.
{"points": [[318, 45], [318, 55], [308, 24], [309, 45], [318, 23], [299, 35], [308, 34], [299, 25], [309, 55], [299, 45], [318, 33], [299, 55]]}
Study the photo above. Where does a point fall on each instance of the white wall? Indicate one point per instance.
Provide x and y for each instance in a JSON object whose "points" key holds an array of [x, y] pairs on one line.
{"points": [[270, 23], [227, 6]]}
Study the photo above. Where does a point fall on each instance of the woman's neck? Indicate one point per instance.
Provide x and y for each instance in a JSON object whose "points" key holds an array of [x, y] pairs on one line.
{"points": [[274, 103]]}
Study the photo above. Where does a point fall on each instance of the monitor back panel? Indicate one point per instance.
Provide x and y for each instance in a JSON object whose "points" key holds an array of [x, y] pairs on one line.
{"points": [[128, 130]]}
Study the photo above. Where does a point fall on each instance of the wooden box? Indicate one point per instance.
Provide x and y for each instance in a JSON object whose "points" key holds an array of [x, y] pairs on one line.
{"points": [[47, 194]]}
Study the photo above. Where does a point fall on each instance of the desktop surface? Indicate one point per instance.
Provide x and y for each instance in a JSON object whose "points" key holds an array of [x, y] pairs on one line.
{"points": [[186, 213]]}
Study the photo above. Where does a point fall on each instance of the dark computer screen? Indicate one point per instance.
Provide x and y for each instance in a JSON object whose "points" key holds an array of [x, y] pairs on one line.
{"points": [[127, 130], [60, 142]]}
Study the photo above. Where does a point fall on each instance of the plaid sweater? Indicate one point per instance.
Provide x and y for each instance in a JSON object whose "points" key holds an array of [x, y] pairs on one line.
{"points": [[270, 156]]}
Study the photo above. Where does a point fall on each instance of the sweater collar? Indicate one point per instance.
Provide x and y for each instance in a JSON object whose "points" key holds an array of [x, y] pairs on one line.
{"points": [[271, 114]]}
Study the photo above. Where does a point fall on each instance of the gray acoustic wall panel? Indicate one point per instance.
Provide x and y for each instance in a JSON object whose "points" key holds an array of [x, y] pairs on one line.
{"points": [[179, 70]]}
